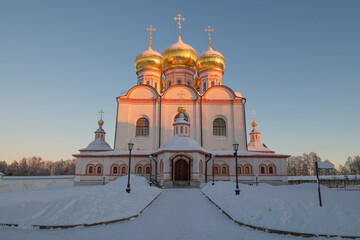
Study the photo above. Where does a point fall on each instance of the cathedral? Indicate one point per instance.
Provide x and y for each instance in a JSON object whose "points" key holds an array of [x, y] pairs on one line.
{"points": [[180, 126]]}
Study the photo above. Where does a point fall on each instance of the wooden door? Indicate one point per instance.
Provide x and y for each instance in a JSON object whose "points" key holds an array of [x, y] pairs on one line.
{"points": [[181, 170]]}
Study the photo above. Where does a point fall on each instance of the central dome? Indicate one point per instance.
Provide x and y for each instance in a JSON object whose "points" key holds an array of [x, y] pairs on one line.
{"points": [[179, 54]]}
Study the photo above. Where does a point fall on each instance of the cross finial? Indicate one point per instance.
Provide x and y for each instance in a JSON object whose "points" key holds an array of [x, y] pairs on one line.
{"points": [[181, 94], [253, 113], [150, 29], [179, 18], [209, 30], [101, 112]]}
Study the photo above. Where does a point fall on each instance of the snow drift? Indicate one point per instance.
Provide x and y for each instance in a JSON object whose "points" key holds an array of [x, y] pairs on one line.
{"points": [[290, 208], [77, 205]]}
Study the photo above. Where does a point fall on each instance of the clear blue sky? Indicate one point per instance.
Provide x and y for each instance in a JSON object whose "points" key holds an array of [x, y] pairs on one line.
{"points": [[296, 62]]}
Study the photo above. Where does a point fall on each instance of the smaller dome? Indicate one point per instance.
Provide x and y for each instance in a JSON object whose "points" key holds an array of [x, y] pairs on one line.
{"points": [[210, 59], [181, 109], [149, 59], [101, 122], [179, 54], [254, 124]]}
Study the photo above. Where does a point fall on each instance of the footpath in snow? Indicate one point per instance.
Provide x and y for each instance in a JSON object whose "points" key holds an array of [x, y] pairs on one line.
{"points": [[175, 214], [290, 208], [76, 205]]}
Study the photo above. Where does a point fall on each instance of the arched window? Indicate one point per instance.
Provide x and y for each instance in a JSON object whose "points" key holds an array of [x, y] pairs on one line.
{"points": [[239, 171], [98, 170], [262, 170], [115, 170], [139, 170], [219, 127], [147, 170], [223, 170], [156, 85], [185, 117], [161, 166], [123, 170], [201, 166], [271, 170], [216, 170], [247, 170], [188, 83], [148, 82], [91, 170], [178, 81], [204, 86], [142, 127], [212, 83], [169, 84]]}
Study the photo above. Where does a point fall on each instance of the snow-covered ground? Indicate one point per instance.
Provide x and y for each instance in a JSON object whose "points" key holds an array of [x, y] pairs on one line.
{"points": [[176, 214], [76, 205], [290, 208]]}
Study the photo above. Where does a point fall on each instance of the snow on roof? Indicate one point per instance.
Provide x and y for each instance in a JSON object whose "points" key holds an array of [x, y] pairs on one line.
{"points": [[211, 52], [123, 92], [115, 153], [97, 145], [246, 153], [178, 143], [327, 177], [238, 94], [257, 146]]}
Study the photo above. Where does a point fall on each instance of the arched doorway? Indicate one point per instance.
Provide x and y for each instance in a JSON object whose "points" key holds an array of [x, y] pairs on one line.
{"points": [[181, 170]]}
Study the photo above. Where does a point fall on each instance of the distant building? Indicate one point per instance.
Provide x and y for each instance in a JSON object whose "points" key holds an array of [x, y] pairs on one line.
{"points": [[180, 120]]}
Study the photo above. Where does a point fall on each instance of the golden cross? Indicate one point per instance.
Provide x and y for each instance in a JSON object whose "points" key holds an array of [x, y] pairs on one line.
{"points": [[150, 29], [101, 113], [209, 30], [253, 113], [179, 18], [181, 94]]}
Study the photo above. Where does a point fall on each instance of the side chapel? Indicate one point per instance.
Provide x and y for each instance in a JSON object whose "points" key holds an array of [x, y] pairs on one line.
{"points": [[181, 120]]}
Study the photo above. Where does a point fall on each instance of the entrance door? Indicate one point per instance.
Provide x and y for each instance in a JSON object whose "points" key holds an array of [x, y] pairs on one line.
{"points": [[181, 170]]}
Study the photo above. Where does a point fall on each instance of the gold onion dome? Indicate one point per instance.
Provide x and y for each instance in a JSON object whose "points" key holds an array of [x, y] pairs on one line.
{"points": [[181, 109], [101, 122], [179, 54], [210, 59], [254, 124], [149, 59]]}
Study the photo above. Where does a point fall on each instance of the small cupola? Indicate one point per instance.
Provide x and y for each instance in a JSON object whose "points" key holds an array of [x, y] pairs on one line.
{"points": [[255, 144], [181, 126]]}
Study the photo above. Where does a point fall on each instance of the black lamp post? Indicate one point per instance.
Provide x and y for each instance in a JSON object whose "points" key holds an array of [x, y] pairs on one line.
{"points": [[150, 158], [130, 146], [213, 179], [236, 148]]}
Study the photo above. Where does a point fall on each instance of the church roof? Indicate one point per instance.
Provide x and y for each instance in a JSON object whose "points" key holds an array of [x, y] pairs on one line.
{"points": [[97, 145], [258, 146], [244, 153], [178, 143]]}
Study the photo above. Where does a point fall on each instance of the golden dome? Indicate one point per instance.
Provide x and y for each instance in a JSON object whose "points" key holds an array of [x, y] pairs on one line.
{"points": [[101, 122], [149, 59], [181, 109], [210, 59], [254, 124], [179, 54]]}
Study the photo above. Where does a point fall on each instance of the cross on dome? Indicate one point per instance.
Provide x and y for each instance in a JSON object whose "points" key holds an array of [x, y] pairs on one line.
{"points": [[253, 113], [209, 30], [150, 29], [181, 94], [179, 18], [101, 112]]}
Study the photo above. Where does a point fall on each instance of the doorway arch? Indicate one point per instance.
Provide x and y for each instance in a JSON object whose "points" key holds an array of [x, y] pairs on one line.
{"points": [[181, 170]]}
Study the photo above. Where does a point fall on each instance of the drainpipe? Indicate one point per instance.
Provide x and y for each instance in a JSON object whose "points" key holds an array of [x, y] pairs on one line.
{"points": [[117, 113], [160, 123], [246, 142], [201, 123], [210, 157], [156, 164]]}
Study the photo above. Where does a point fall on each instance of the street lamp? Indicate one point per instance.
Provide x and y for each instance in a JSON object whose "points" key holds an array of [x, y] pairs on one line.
{"points": [[130, 147], [213, 182], [236, 148], [150, 158]]}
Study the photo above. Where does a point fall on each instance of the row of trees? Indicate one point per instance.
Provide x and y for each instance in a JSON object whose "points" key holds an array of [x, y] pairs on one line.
{"points": [[304, 165], [35, 166]]}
